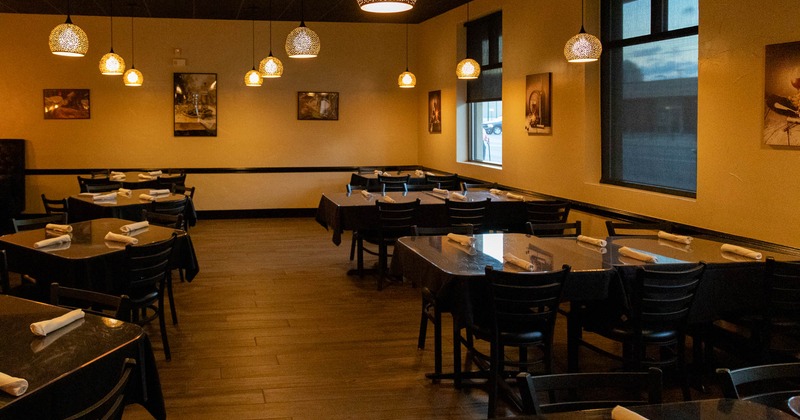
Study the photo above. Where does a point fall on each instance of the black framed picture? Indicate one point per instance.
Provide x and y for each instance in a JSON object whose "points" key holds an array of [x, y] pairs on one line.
{"points": [[195, 104]]}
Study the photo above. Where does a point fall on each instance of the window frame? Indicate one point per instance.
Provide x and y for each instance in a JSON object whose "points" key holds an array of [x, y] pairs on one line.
{"points": [[490, 30]]}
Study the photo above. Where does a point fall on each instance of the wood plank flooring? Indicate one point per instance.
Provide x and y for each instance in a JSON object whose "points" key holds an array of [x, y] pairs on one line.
{"points": [[274, 328]]}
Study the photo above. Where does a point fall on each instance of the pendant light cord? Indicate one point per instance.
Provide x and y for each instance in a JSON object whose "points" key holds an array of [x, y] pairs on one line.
{"points": [[406, 46], [270, 27], [111, 17], [253, 44], [133, 54]]}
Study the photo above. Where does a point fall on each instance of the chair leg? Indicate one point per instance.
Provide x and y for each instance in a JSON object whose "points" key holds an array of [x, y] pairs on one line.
{"points": [[456, 355], [353, 245], [172, 307], [360, 256], [437, 340], [423, 326], [382, 257], [163, 325]]}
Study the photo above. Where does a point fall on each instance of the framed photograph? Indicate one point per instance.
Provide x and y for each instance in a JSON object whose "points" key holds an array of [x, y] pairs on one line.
{"points": [[66, 104], [782, 95], [435, 111], [195, 104], [318, 106], [538, 119]]}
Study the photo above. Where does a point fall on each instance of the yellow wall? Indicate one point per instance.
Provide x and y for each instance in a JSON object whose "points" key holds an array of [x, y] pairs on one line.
{"points": [[744, 187]]}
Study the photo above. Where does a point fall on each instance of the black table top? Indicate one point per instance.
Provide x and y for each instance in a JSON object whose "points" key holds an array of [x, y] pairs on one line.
{"points": [[694, 410]]}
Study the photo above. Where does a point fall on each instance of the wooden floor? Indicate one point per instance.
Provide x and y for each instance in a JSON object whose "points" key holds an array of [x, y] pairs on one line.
{"points": [[274, 328]]}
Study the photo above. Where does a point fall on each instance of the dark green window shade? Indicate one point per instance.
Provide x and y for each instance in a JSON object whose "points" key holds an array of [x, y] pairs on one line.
{"points": [[485, 45]]}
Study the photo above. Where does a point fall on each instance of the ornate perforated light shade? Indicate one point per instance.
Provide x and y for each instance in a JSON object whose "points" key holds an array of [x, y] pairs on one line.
{"points": [[386, 6], [583, 48], [253, 78], [302, 42], [407, 79], [69, 40], [133, 77], [468, 69], [112, 64], [270, 67]]}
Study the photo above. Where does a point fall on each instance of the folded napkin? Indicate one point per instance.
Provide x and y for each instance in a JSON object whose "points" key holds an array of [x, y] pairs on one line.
{"points": [[366, 194], [738, 250], [147, 197], [88, 194], [519, 262], [59, 228], [154, 173], [591, 247], [388, 199], [593, 241], [440, 191], [419, 173], [42, 328], [675, 238], [134, 226], [105, 197], [515, 196], [621, 413], [52, 241], [641, 256], [458, 196], [164, 191], [495, 191], [117, 173], [146, 177], [430, 173], [12, 385], [124, 191], [117, 177], [462, 239], [116, 237]]}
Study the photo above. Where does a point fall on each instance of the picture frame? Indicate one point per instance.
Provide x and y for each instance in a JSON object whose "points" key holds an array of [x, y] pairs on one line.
{"points": [[321, 106], [538, 100], [782, 95], [66, 104], [435, 112], [195, 104]]}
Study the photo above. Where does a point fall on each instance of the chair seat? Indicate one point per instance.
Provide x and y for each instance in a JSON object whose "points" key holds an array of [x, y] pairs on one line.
{"points": [[626, 332]]}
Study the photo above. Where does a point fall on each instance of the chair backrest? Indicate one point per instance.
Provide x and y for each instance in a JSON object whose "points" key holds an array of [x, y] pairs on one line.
{"points": [[118, 307], [5, 285], [104, 186], [168, 181], [461, 213], [112, 404], [84, 182], [182, 189], [445, 182], [444, 230], [55, 206], [554, 229], [782, 291], [765, 384], [170, 207], [420, 187], [586, 391], [174, 221], [396, 219], [467, 186], [661, 300], [38, 222], [393, 183], [147, 268], [547, 211], [616, 228]]}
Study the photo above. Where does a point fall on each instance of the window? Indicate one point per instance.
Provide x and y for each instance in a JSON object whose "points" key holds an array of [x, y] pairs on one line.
{"points": [[649, 94], [484, 94]]}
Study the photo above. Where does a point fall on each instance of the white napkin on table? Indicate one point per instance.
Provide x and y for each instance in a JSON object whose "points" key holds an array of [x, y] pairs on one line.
{"points": [[117, 177], [593, 241], [388, 199], [105, 197], [515, 196], [124, 191], [88, 194], [134, 226], [738, 250], [675, 238], [154, 173], [462, 239], [42, 328], [147, 197], [630, 253], [116, 237], [621, 413], [440, 191], [58, 228], [519, 262], [146, 177], [430, 173], [419, 173], [12, 385], [52, 241], [495, 191], [164, 191], [458, 196], [366, 194], [117, 173], [378, 172]]}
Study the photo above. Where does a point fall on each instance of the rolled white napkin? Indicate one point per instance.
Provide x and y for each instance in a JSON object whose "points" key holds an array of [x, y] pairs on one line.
{"points": [[515, 196], [462, 239], [430, 173], [117, 177], [146, 177], [458, 196], [117, 173], [388, 199], [593, 241], [441, 191], [147, 197], [621, 413], [124, 191], [88, 194], [591, 247], [630, 253], [134, 226], [495, 191], [366, 194], [739, 250], [116, 237], [42, 328], [378, 172], [12, 385], [58, 228], [52, 241], [519, 262], [154, 173], [105, 197], [164, 191], [675, 238], [419, 173]]}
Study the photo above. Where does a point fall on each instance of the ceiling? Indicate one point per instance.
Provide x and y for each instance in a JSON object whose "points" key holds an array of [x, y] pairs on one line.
{"points": [[282, 10]]}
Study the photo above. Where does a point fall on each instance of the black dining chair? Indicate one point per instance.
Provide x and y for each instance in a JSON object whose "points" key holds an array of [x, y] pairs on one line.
{"points": [[473, 213], [394, 221], [393, 183], [102, 187], [38, 222], [547, 211], [118, 307], [446, 182], [554, 229], [112, 404], [182, 189], [172, 207], [771, 385], [55, 206], [617, 228], [478, 186]]}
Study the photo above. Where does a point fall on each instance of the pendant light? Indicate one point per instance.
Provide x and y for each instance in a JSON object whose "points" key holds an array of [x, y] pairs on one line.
{"points": [[253, 78], [583, 47], [270, 67], [132, 77], [112, 64], [302, 42], [386, 6], [407, 79], [68, 39], [468, 68]]}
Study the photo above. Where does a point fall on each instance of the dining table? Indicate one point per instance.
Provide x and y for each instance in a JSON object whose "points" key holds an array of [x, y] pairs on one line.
{"points": [[139, 179], [707, 409], [72, 367], [84, 206], [88, 260]]}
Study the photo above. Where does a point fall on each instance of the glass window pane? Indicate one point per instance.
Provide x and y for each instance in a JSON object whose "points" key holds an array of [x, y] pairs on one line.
{"points": [[682, 14], [486, 132], [635, 18]]}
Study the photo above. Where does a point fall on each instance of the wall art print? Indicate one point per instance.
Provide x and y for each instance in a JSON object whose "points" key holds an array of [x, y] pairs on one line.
{"points": [[435, 111], [318, 105], [195, 104], [782, 95], [538, 119], [66, 104]]}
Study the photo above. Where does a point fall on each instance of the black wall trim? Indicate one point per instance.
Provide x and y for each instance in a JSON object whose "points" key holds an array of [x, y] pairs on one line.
{"points": [[252, 170]]}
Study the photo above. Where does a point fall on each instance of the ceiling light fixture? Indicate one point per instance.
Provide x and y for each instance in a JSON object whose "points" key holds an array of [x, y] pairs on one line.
{"points": [[583, 47], [68, 39], [112, 64], [302, 42], [270, 67], [468, 68], [132, 77], [386, 6], [253, 77], [407, 79]]}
